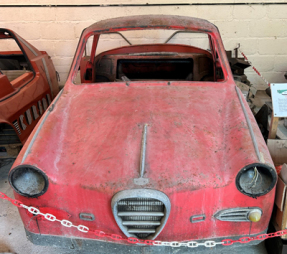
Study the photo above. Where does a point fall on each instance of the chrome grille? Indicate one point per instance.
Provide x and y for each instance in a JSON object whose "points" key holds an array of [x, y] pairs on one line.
{"points": [[234, 214], [141, 216], [141, 213]]}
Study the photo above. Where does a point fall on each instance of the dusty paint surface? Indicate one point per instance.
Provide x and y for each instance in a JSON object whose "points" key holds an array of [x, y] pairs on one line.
{"points": [[197, 142]]}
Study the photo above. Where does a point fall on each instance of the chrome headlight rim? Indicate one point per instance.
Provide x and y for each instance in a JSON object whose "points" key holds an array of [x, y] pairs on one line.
{"points": [[24, 166], [272, 172]]}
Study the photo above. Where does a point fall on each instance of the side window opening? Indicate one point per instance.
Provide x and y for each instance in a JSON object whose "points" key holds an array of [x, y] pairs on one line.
{"points": [[13, 63]]}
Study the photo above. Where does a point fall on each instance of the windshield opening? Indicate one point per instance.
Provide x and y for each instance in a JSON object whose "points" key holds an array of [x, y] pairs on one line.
{"points": [[13, 63], [142, 55]]}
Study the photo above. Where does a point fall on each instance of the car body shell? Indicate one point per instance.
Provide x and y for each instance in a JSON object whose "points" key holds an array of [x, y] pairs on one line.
{"points": [[24, 99], [198, 140]]}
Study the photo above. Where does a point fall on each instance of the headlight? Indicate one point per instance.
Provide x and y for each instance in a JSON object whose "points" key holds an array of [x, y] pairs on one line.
{"points": [[256, 179], [28, 181]]}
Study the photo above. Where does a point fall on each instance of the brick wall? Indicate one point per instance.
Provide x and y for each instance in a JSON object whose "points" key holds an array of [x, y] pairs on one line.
{"points": [[260, 29]]}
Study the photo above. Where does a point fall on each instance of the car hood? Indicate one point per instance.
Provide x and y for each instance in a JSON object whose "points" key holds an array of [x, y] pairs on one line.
{"points": [[197, 136]]}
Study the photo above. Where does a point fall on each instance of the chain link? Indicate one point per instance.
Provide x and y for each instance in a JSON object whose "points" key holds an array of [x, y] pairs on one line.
{"points": [[191, 244]]}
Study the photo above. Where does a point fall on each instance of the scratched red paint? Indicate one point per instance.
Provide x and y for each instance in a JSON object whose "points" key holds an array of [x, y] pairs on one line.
{"points": [[197, 142]]}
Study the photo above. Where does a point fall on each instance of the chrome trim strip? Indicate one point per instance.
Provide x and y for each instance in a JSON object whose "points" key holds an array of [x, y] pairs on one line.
{"points": [[87, 216], [136, 223], [141, 230], [249, 125], [27, 45], [197, 218], [50, 109], [140, 214], [235, 214], [47, 75], [141, 180], [143, 151]]}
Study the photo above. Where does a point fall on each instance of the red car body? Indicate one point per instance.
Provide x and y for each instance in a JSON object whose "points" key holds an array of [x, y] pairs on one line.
{"points": [[187, 144], [28, 85]]}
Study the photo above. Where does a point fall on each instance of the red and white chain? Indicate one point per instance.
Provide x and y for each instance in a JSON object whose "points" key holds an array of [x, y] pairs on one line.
{"points": [[191, 244], [259, 74]]}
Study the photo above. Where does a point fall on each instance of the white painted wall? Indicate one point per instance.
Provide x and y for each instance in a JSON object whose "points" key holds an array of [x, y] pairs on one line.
{"points": [[260, 29]]}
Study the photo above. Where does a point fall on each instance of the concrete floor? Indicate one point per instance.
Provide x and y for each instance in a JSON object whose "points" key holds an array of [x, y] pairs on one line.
{"points": [[13, 238]]}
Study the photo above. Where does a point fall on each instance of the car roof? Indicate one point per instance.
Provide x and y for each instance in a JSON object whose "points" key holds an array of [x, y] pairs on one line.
{"points": [[152, 22]]}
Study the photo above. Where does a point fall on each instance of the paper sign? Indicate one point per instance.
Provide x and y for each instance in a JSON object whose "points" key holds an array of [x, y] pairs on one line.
{"points": [[279, 99]]}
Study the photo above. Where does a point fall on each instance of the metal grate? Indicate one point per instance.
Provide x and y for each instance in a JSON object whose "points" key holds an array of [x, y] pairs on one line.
{"points": [[8, 135], [141, 216], [234, 214], [141, 213]]}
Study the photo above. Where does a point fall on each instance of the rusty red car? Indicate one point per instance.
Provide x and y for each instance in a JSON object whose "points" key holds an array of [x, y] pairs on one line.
{"points": [[147, 144], [28, 84]]}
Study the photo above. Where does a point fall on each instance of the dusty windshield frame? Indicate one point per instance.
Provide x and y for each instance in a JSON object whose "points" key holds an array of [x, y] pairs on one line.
{"points": [[153, 22], [9, 37], [120, 39]]}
